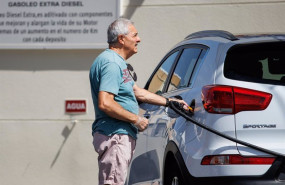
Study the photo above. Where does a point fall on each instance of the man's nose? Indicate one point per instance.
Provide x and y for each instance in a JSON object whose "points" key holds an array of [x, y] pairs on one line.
{"points": [[138, 39]]}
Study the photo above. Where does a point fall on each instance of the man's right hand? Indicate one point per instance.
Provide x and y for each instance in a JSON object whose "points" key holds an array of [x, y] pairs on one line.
{"points": [[141, 123]]}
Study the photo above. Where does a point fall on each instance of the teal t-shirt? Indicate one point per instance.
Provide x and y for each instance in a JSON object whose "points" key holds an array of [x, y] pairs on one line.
{"points": [[109, 73]]}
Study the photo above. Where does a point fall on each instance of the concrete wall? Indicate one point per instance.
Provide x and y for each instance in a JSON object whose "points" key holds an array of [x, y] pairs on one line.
{"points": [[39, 143]]}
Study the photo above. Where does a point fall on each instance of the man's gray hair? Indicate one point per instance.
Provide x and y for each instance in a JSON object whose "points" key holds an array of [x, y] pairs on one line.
{"points": [[118, 27]]}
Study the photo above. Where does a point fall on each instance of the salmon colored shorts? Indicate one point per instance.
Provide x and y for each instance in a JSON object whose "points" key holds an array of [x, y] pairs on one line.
{"points": [[115, 154]]}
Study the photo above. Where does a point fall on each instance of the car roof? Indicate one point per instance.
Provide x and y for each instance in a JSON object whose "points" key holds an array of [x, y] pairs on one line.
{"points": [[209, 37]]}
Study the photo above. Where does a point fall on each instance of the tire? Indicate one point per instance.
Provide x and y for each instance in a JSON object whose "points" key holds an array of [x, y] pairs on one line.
{"points": [[173, 175]]}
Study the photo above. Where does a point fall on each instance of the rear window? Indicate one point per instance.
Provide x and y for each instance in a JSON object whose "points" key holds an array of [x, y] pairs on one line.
{"points": [[261, 63]]}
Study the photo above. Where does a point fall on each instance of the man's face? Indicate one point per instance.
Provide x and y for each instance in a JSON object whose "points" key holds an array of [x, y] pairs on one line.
{"points": [[131, 41]]}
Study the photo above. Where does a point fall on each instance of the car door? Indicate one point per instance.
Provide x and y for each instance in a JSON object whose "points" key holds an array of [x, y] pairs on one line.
{"points": [[176, 84], [180, 86], [144, 166]]}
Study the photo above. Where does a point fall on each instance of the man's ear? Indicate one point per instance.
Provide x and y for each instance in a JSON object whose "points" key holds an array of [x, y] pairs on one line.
{"points": [[121, 39]]}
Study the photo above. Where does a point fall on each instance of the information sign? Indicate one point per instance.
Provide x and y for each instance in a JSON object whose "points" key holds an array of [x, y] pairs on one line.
{"points": [[56, 23]]}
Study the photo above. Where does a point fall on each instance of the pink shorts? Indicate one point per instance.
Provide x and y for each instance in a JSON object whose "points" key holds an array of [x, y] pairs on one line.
{"points": [[115, 154]]}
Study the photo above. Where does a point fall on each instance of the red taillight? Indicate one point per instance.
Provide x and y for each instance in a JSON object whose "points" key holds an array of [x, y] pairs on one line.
{"points": [[231, 100], [236, 160]]}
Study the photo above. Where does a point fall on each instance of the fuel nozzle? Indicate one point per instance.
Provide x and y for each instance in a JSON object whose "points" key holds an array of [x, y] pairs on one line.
{"points": [[186, 109]]}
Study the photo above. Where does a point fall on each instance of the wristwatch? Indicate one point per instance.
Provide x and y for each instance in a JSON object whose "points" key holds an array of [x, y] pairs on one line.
{"points": [[167, 102]]}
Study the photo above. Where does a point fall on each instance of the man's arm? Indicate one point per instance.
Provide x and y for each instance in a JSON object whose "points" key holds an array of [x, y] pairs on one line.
{"points": [[152, 98], [107, 104], [148, 97]]}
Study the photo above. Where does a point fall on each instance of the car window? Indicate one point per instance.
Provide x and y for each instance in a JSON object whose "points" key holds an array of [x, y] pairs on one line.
{"points": [[260, 63], [159, 78], [197, 66], [184, 68]]}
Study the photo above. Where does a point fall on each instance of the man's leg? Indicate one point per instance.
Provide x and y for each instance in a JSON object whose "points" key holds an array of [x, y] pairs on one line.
{"points": [[115, 154]]}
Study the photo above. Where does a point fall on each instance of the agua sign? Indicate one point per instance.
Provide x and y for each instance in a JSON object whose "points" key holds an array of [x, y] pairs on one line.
{"points": [[75, 106]]}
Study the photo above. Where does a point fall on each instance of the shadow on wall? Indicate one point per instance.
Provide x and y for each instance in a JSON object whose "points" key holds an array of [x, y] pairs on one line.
{"points": [[41, 60], [65, 133], [131, 8]]}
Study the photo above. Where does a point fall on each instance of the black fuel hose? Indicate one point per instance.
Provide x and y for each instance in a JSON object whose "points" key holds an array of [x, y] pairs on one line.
{"points": [[178, 108]]}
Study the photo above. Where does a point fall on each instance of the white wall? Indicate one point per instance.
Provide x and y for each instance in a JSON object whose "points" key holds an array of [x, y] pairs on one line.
{"points": [[39, 143]]}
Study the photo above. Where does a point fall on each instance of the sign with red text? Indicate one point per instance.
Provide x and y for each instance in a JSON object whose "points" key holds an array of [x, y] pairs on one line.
{"points": [[75, 106], [38, 24]]}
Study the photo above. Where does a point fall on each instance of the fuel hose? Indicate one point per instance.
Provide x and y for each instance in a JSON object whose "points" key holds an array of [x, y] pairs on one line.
{"points": [[178, 108]]}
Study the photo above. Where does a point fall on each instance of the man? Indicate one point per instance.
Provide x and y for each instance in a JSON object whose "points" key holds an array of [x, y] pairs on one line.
{"points": [[115, 98]]}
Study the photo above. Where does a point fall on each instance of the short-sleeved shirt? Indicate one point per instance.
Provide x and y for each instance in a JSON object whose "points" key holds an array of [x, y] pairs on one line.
{"points": [[109, 73]]}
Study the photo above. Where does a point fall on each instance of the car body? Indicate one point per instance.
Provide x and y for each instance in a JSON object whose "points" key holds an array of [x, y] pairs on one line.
{"points": [[235, 85]]}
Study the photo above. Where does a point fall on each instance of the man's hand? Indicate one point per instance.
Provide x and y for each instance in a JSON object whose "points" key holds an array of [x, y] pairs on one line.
{"points": [[141, 123], [186, 107]]}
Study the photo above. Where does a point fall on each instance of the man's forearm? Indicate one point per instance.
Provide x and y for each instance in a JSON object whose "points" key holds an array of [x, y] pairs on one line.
{"points": [[113, 109], [148, 97], [118, 112], [151, 98], [107, 104]]}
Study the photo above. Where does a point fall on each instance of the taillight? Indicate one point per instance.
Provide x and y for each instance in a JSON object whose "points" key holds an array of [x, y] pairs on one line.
{"points": [[236, 160], [231, 100]]}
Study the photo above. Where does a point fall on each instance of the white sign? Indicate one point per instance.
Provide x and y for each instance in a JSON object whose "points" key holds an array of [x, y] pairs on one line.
{"points": [[56, 23]]}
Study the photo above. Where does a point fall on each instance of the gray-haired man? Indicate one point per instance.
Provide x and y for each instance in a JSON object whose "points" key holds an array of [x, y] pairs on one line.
{"points": [[115, 98]]}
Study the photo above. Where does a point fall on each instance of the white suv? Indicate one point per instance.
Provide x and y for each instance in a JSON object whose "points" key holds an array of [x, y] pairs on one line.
{"points": [[235, 85]]}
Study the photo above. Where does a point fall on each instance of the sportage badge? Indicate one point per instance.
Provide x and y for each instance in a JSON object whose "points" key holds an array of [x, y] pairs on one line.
{"points": [[259, 126]]}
